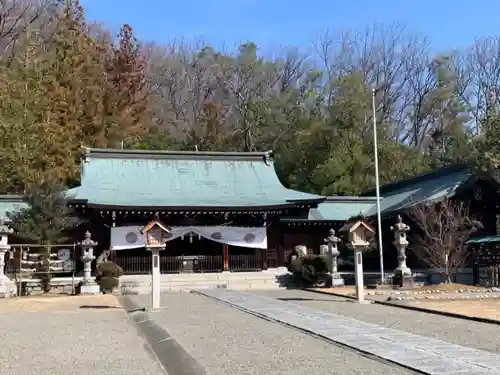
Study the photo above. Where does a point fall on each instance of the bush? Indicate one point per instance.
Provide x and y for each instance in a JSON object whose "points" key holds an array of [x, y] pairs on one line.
{"points": [[108, 274], [314, 268], [108, 283], [109, 269]]}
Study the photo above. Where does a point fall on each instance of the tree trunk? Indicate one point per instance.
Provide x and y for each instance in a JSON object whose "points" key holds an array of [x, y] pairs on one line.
{"points": [[447, 269]]}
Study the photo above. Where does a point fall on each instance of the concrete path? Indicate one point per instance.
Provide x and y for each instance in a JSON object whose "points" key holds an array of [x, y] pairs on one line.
{"points": [[427, 355], [71, 336], [227, 341]]}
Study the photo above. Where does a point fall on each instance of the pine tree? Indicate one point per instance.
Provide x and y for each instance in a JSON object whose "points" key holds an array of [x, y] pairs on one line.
{"points": [[46, 222]]}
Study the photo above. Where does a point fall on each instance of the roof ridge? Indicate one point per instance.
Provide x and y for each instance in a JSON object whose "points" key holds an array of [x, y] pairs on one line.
{"points": [[172, 154]]}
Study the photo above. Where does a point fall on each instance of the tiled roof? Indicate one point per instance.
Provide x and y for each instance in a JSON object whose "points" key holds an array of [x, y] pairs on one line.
{"points": [[427, 188], [338, 208], [481, 240], [10, 204], [342, 208], [139, 178]]}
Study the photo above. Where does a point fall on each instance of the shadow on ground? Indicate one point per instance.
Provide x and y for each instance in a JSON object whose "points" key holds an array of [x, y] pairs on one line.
{"points": [[291, 299], [98, 307]]}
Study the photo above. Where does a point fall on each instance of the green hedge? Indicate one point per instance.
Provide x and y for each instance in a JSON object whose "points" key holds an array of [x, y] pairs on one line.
{"points": [[311, 269], [108, 274]]}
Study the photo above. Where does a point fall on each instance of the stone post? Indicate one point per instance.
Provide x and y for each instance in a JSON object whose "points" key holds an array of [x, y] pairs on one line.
{"points": [[88, 285], [333, 253], [7, 287], [155, 276], [402, 273]]}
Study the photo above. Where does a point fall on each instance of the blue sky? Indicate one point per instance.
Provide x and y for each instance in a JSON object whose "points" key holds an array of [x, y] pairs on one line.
{"points": [[270, 23]]}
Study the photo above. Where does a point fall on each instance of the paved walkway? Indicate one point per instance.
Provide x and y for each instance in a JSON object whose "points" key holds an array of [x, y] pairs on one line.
{"points": [[424, 354]]}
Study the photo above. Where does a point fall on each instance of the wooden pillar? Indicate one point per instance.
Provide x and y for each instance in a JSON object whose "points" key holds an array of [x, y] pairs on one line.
{"points": [[225, 257]]}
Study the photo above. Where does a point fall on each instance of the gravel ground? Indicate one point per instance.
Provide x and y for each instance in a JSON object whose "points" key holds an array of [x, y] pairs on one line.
{"points": [[81, 342], [228, 341], [459, 331]]}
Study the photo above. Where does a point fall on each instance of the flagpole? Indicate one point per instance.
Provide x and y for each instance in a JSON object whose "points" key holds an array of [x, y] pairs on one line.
{"points": [[377, 188]]}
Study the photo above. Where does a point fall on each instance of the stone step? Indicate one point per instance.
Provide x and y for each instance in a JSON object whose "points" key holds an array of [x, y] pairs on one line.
{"points": [[203, 277], [146, 288]]}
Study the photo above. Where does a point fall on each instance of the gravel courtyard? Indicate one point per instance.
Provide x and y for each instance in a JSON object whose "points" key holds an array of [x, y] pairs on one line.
{"points": [[227, 341], [54, 336], [458, 331]]}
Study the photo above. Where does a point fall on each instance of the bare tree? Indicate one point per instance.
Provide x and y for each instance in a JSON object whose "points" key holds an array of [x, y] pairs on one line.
{"points": [[441, 231], [16, 16], [389, 58], [480, 71], [255, 97]]}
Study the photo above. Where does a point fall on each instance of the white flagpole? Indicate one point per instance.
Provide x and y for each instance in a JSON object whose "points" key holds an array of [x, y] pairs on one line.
{"points": [[377, 188]]}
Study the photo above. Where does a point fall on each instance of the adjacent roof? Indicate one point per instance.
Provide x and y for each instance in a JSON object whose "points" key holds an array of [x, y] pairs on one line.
{"points": [[342, 208], [339, 208], [140, 178], [481, 240], [427, 187], [10, 204]]}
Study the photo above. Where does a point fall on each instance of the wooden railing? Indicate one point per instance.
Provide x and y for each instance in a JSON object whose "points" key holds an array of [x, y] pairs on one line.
{"points": [[141, 264], [134, 264], [247, 262], [202, 263]]}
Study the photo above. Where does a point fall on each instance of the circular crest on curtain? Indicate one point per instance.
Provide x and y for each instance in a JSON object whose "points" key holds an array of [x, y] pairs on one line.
{"points": [[216, 236], [249, 237], [131, 237]]}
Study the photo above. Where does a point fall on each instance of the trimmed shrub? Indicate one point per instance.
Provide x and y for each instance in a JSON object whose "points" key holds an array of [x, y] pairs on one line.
{"points": [[109, 269], [312, 269], [108, 274], [108, 283]]}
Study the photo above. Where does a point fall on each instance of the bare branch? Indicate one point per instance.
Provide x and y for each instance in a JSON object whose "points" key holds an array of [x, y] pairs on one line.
{"points": [[441, 231]]}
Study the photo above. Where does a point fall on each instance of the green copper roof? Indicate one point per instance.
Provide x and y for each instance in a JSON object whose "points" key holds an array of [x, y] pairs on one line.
{"points": [[341, 208], [426, 188], [138, 178], [338, 208], [481, 240], [10, 204]]}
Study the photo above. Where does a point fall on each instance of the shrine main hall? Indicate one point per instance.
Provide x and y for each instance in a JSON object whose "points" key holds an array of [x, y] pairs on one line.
{"points": [[226, 211]]}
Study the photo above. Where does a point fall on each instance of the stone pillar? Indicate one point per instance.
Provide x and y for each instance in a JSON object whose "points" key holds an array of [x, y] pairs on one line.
{"points": [[358, 272], [88, 285], [7, 287], [402, 273], [301, 250], [333, 253], [155, 277]]}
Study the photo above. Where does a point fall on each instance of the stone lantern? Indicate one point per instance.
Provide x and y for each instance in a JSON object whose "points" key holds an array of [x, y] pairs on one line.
{"points": [[402, 273], [359, 235], [332, 253], [7, 287], [88, 285], [157, 235]]}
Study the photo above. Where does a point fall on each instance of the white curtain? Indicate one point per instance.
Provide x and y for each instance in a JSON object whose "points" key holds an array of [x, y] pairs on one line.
{"points": [[130, 237]]}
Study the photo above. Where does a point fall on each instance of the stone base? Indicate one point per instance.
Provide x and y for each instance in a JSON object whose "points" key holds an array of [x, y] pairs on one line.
{"points": [[334, 280], [7, 288], [337, 281], [90, 289], [402, 281], [363, 302]]}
